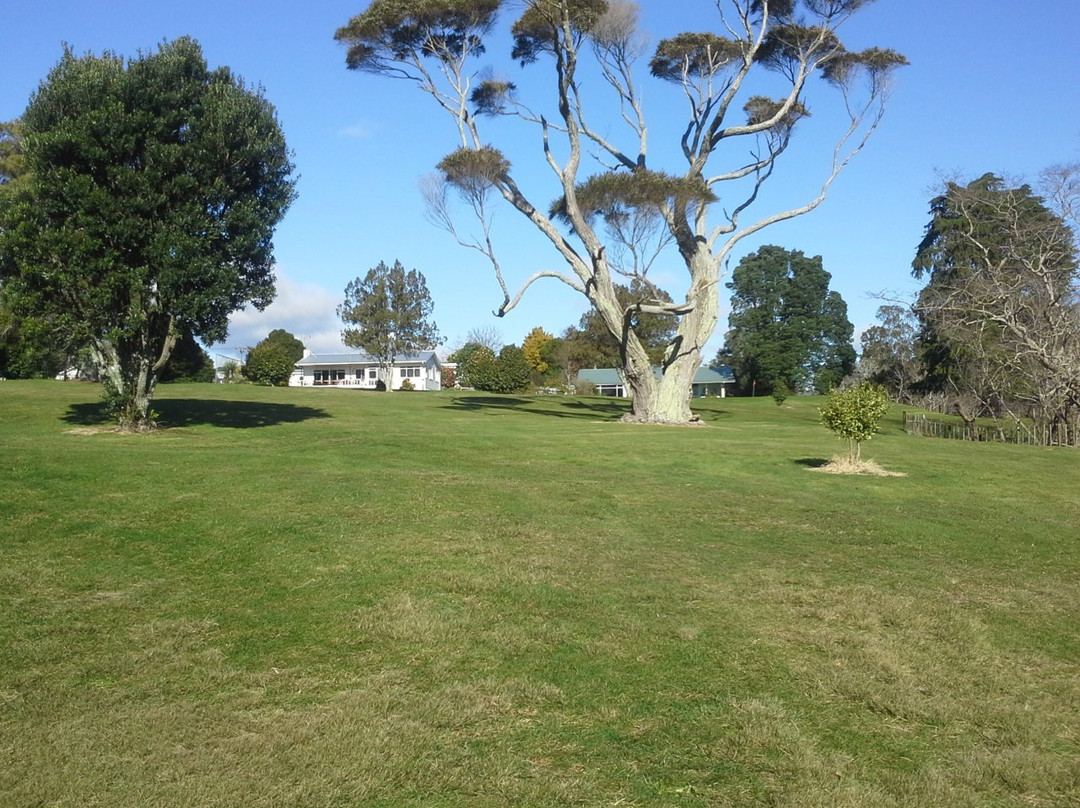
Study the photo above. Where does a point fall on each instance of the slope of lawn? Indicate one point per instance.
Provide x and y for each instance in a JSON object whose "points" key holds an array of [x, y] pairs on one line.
{"points": [[333, 598]]}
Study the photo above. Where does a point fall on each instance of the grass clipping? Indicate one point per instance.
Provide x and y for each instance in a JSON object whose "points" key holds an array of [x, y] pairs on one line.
{"points": [[845, 464]]}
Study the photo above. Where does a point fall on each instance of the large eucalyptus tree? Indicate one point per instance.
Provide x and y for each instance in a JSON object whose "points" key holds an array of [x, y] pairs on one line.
{"points": [[616, 210]]}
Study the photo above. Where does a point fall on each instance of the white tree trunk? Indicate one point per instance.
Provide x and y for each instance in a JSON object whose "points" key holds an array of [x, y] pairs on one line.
{"points": [[667, 400]]}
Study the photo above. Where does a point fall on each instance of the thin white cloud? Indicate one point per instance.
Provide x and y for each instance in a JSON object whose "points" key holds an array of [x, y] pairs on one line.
{"points": [[358, 131], [306, 310]]}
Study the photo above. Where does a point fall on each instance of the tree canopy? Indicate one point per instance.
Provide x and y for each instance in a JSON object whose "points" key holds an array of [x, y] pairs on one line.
{"points": [[508, 372], [388, 312], [153, 188], [999, 314], [616, 209], [786, 327], [271, 362]]}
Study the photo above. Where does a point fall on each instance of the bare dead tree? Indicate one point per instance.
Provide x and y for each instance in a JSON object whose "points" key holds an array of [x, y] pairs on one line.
{"points": [[1007, 299], [616, 212]]}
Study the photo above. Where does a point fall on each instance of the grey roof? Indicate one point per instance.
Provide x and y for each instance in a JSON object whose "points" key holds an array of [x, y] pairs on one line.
{"points": [[712, 374], [359, 358], [600, 376]]}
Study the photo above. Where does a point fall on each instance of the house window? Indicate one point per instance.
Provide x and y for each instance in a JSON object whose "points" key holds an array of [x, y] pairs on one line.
{"points": [[329, 376], [410, 373], [373, 373]]}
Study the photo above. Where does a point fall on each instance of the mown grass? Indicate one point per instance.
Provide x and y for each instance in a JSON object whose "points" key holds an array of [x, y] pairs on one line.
{"points": [[331, 598]]}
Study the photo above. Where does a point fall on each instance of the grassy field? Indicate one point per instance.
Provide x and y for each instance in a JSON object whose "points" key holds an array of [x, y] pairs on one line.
{"points": [[332, 598]]}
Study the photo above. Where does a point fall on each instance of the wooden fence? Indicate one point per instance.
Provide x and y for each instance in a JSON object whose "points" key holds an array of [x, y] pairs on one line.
{"points": [[1023, 432]]}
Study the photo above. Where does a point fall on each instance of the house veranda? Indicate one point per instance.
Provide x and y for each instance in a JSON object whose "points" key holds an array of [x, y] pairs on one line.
{"points": [[360, 371]]}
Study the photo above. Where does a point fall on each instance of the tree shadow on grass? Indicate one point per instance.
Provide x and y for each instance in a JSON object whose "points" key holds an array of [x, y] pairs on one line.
{"points": [[812, 462], [554, 406], [602, 407], [173, 413]]}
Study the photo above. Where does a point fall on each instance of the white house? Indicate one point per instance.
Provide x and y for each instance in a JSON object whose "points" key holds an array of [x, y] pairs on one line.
{"points": [[360, 371]]}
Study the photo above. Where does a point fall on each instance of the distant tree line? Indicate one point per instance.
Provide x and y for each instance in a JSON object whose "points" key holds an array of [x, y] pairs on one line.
{"points": [[544, 360]]}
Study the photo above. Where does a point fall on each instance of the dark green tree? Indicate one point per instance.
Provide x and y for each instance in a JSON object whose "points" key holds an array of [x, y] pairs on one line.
{"points": [[387, 312], [553, 353], [785, 325], [289, 342], [515, 374], [474, 360], [29, 344], [271, 362], [154, 185], [617, 205], [506, 373], [268, 364], [187, 362]]}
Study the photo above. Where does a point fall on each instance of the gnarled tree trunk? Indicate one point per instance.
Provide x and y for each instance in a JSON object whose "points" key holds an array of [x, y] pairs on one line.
{"points": [[129, 368], [666, 399]]}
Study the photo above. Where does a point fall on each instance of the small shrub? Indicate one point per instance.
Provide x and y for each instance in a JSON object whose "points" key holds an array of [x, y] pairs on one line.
{"points": [[230, 372], [780, 393], [855, 413], [406, 385]]}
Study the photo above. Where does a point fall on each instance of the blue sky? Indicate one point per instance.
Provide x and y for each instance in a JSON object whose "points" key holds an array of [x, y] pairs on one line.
{"points": [[992, 86]]}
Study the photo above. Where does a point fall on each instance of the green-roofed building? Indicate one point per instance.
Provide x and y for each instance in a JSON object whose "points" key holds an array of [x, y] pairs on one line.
{"points": [[710, 380]]}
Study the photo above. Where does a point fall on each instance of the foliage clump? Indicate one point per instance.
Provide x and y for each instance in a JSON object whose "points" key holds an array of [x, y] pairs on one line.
{"points": [[490, 96], [855, 413], [760, 110], [617, 193], [506, 373], [271, 362], [465, 168], [393, 29], [695, 54], [539, 29]]}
